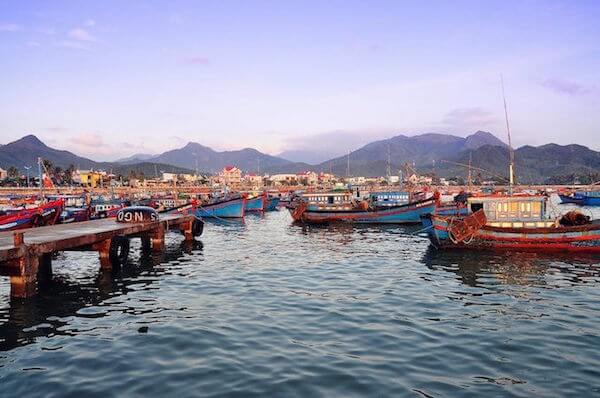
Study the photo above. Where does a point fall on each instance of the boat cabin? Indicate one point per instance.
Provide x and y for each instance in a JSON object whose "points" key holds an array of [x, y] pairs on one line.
{"points": [[388, 199], [329, 200], [512, 211]]}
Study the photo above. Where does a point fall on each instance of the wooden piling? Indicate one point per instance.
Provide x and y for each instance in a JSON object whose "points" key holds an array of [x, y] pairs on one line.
{"points": [[26, 255]]}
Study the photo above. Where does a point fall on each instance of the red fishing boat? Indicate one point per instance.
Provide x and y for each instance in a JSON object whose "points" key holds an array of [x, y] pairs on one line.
{"points": [[44, 214], [513, 223]]}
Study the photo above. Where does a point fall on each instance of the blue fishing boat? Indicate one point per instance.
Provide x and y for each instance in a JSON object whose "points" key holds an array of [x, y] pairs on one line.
{"points": [[258, 203], [572, 198], [322, 208], [222, 207], [590, 198], [272, 203]]}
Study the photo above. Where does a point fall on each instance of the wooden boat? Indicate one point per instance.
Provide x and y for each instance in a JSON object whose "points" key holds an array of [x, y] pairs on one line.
{"points": [[320, 208], [590, 198], [74, 214], [258, 203], [44, 214], [231, 206], [272, 203], [573, 198], [512, 223], [105, 208]]}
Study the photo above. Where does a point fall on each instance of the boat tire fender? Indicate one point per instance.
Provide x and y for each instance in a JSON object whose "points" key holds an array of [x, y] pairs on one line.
{"points": [[197, 227], [119, 250]]}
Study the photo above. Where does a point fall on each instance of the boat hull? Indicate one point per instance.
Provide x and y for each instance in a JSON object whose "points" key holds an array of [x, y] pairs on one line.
{"points": [[232, 208], [272, 204], [591, 201], [451, 210], [256, 204], [578, 200], [405, 214], [47, 214], [585, 238]]}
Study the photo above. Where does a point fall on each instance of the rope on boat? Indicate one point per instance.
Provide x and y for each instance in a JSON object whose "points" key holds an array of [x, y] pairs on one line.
{"points": [[422, 230]]}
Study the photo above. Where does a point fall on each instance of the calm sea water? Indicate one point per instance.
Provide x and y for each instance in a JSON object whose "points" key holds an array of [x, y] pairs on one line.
{"points": [[267, 308]]}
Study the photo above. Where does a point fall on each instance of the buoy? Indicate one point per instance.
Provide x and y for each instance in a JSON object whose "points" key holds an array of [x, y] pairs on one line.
{"points": [[137, 214]]}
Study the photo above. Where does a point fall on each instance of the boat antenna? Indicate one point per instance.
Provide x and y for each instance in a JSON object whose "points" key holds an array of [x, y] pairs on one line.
{"points": [[348, 165], [388, 170], [511, 164], [470, 179]]}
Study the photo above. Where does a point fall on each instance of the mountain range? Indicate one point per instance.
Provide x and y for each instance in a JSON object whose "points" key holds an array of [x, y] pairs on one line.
{"points": [[439, 153]]}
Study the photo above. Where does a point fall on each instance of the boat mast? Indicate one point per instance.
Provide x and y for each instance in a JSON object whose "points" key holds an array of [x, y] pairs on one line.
{"points": [[511, 164], [41, 177]]}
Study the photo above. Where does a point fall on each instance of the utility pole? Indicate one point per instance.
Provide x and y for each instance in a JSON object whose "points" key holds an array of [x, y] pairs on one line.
{"points": [[469, 176], [27, 168]]}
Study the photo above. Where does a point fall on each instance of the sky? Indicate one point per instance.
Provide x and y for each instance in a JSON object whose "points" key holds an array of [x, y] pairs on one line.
{"points": [[112, 78]]}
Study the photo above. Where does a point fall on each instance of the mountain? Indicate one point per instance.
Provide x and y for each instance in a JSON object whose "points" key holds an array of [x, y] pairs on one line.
{"points": [[25, 151], [419, 151], [194, 155], [532, 164], [136, 158], [308, 156]]}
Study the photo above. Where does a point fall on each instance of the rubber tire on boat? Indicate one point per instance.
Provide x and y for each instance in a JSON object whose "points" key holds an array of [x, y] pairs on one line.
{"points": [[38, 221], [102, 215], [119, 250], [197, 227]]}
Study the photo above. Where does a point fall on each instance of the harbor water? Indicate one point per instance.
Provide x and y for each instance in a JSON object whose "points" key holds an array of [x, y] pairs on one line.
{"points": [[269, 308]]}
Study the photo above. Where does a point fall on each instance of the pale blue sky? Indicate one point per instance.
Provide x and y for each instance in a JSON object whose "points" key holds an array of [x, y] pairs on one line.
{"points": [[108, 79]]}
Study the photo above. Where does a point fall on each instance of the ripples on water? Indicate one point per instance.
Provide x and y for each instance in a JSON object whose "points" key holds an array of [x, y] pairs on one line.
{"points": [[267, 308]]}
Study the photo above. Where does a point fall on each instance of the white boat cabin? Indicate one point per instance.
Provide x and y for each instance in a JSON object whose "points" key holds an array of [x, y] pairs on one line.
{"points": [[329, 200], [388, 199], [512, 211]]}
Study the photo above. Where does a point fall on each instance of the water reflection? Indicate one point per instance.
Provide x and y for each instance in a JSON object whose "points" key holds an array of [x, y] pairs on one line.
{"points": [[514, 268], [63, 296]]}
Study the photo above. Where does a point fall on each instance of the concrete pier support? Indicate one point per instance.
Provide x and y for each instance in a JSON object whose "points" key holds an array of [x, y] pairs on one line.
{"points": [[158, 239]]}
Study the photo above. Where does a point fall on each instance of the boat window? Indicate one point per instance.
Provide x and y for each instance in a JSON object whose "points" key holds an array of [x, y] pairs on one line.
{"points": [[476, 206], [514, 206], [330, 200]]}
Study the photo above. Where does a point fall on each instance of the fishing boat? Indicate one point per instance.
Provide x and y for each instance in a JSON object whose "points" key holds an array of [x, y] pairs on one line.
{"points": [[41, 215], [105, 208], [322, 208], [456, 207], [74, 214], [272, 203], [513, 223], [229, 206], [590, 198], [571, 198], [258, 203]]}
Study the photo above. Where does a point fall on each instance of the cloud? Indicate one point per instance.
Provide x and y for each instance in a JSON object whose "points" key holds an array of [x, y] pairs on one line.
{"points": [[566, 87], [474, 116], [56, 129], [76, 45], [81, 34], [90, 140], [10, 27], [197, 61], [33, 43], [335, 143], [89, 23]]}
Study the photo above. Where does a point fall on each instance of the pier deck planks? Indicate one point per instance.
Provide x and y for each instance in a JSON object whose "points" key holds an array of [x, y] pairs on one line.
{"points": [[20, 261]]}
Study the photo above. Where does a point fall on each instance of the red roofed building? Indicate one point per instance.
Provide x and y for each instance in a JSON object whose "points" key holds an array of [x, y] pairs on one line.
{"points": [[230, 175], [308, 178]]}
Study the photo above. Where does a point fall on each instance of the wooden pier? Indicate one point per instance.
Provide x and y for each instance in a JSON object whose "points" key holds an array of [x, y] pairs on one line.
{"points": [[26, 255]]}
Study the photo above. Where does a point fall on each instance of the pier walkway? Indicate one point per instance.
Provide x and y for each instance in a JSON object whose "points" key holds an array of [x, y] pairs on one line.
{"points": [[26, 255]]}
